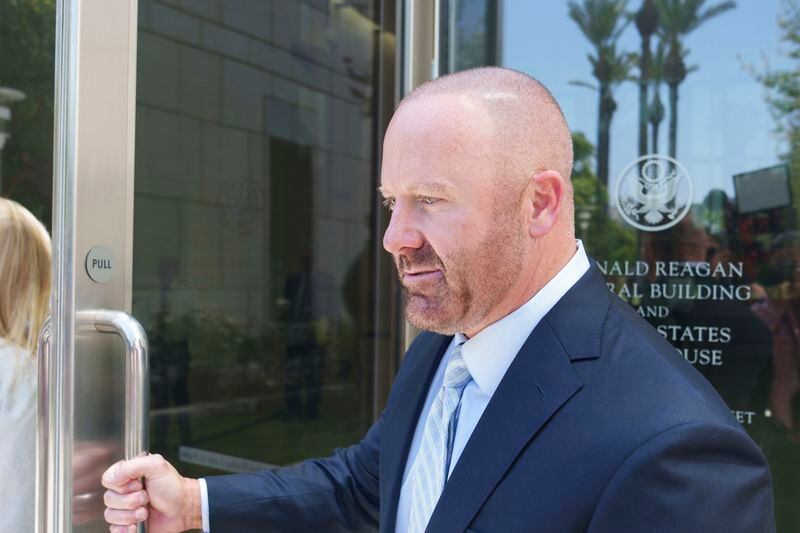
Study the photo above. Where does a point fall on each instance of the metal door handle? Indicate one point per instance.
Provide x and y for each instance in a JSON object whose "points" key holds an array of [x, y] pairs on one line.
{"points": [[136, 370], [48, 441], [54, 447]]}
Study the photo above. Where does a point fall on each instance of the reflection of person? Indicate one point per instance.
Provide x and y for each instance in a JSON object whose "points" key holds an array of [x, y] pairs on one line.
{"points": [[741, 379], [721, 337], [542, 403], [308, 323], [779, 309], [169, 363], [87, 495], [24, 297]]}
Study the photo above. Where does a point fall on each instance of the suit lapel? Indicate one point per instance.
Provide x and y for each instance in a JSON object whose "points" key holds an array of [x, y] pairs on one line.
{"points": [[398, 430], [538, 382]]}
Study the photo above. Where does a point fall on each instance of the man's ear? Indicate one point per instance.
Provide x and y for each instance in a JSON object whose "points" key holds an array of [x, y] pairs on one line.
{"points": [[543, 200]]}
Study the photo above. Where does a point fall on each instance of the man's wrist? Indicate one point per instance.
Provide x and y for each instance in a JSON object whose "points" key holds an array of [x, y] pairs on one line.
{"points": [[193, 519]]}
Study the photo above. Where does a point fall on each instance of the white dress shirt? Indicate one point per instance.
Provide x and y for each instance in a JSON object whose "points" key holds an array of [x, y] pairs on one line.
{"points": [[487, 356]]}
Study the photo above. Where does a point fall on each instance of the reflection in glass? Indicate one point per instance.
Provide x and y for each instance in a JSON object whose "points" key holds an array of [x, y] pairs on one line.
{"points": [[27, 33], [469, 34], [27, 44], [706, 250], [610, 66], [255, 227]]}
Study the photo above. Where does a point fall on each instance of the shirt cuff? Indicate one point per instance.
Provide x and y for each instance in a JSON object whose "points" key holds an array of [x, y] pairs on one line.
{"points": [[204, 504]]}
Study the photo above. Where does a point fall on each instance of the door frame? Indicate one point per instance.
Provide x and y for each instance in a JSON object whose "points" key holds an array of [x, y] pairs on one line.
{"points": [[94, 124]]}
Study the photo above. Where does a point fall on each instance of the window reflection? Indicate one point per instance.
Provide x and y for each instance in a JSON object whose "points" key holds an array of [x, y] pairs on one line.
{"points": [[255, 226], [685, 121], [26, 147], [27, 65]]}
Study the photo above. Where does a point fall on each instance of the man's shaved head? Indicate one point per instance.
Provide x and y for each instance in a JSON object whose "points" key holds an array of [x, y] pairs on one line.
{"points": [[525, 119], [476, 170]]}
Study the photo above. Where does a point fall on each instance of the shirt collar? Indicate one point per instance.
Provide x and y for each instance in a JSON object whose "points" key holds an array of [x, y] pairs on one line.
{"points": [[489, 353]]}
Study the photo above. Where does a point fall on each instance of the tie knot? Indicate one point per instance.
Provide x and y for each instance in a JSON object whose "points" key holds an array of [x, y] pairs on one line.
{"points": [[456, 375]]}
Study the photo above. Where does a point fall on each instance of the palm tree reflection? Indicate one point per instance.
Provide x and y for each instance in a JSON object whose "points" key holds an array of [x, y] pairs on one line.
{"points": [[602, 22]]}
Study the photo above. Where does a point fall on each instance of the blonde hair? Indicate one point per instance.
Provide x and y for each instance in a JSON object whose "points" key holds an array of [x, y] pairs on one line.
{"points": [[25, 276]]}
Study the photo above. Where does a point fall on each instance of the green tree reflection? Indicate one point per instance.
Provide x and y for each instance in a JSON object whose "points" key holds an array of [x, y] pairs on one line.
{"points": [[27, 49], [604, 237], [655, 110], [677, 19], [602, 22], [647, 24], [783, 89]]}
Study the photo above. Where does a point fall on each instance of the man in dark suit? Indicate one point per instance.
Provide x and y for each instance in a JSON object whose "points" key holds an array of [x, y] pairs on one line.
{"points": [[536, 401]]}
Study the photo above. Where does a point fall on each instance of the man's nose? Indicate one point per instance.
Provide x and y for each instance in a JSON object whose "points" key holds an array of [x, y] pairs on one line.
{"points": [[402, 233]]}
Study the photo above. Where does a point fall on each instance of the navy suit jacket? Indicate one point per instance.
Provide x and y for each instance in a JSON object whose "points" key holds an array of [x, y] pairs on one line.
{"points": [[599, 425]]}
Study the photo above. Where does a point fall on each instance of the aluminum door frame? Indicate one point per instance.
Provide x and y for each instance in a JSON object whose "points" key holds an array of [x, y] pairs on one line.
{"points": [[93, 162]]}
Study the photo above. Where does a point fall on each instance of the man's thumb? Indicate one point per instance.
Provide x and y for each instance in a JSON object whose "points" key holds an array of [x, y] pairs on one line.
{"points": [[121, 472]]}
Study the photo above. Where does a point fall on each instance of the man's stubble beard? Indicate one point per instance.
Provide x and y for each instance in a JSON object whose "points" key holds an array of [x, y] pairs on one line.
{"points": [[474, 281]]}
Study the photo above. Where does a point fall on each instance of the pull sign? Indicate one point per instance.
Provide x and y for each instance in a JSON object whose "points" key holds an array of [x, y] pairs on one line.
{"points": [[100, 263]]}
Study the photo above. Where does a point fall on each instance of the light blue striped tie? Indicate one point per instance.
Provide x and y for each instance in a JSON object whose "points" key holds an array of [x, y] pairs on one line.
{"points": [[429, 472]]}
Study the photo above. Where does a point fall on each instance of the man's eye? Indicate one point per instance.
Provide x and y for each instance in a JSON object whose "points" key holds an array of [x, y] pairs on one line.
{"points": [[429, 200]]}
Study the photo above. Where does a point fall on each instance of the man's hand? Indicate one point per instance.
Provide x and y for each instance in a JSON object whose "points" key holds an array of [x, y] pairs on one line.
{"points": [[171, 502]]}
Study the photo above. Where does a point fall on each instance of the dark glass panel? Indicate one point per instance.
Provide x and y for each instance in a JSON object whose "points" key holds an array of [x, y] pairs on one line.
{"points": [[256, 233]]}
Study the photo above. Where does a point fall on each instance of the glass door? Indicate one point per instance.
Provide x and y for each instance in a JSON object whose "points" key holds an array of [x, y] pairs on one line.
{"points": [[705, 95], [216, 232], [27, 48], [257, 268]]}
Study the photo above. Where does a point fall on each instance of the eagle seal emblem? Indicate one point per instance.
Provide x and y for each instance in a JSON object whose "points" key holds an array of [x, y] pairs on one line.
{"points": [[654, 193]]}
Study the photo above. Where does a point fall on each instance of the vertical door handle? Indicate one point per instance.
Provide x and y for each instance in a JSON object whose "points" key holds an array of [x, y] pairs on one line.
{"points": [[48, 441], [53, 445], [137, 378]]}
